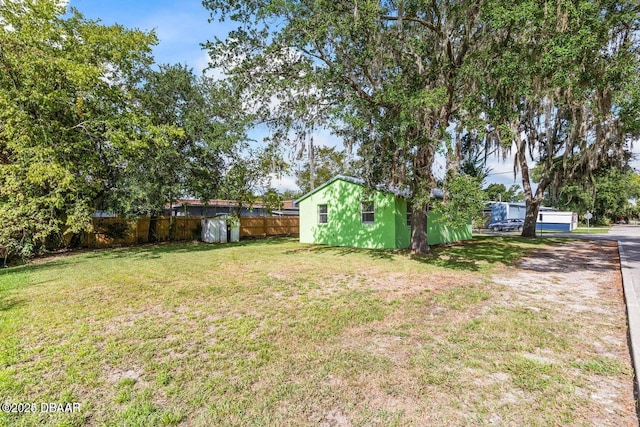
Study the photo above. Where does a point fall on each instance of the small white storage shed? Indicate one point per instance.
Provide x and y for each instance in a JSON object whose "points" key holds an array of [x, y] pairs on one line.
{"points": [[220, 230]]}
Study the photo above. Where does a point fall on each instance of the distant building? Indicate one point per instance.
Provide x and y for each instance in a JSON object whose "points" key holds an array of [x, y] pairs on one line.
{"points": [[549, 219], [195, 207], [341, 213]]}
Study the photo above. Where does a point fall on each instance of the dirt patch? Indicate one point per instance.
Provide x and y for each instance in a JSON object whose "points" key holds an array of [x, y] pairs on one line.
{"points": [[581, 281], [115, 375], [455, 354], [577, 276]]}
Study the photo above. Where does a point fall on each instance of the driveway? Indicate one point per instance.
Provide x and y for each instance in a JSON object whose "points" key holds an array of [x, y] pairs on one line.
{"points": [[628, 238]]}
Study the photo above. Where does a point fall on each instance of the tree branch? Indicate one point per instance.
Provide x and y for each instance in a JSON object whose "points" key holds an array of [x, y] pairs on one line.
{"points": [[422, 22]]}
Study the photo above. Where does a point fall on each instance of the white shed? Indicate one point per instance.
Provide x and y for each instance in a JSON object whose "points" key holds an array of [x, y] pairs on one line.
{"points": [[557, 221]]}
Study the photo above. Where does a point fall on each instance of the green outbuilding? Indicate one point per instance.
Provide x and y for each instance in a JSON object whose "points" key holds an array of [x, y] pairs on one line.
{"points": [[341, 213]]}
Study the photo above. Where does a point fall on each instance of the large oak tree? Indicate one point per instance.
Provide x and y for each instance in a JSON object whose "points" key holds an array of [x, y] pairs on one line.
{"points": [[558, 82], [388, 76]]}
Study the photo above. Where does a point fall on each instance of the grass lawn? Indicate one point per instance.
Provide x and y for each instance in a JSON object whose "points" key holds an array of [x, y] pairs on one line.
{"points": [[592, 230], [578, 230], [277, 333]]}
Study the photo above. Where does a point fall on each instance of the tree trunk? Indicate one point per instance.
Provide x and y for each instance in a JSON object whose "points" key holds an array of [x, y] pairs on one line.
{"points": [[419, 240], [532, 206], [422, 184], [312, 163], [533, 201], [530, 218]]}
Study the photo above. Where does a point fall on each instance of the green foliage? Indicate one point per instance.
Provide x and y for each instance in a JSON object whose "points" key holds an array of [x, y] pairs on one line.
{"points": [[66, 122], [328, 162], [384, 77], [86, 125], [474, 158], [464, 200], [249, 175], [199, 125], [558, 77], [547, 79], [500, 193], [607, 198], [272, 200]]}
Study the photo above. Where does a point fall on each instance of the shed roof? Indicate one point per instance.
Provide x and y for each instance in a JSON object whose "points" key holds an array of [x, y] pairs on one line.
{"points": [[517, 204], [395, 190], [286, 204]]}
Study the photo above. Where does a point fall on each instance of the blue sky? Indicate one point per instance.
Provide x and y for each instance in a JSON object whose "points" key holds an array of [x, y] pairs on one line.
{"points": [[182, 25]]}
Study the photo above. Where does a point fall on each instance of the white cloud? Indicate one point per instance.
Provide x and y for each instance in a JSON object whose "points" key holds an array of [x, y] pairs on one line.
{"points": [[201, 64], [284, 182]]}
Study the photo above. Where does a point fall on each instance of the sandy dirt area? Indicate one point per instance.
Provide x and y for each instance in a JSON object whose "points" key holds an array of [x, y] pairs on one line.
{"points": [[581, 280]]}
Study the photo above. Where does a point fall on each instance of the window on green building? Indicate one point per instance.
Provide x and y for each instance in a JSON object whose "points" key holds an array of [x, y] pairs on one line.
{"points": [[323, 216], [367, 216], [409, 212]]}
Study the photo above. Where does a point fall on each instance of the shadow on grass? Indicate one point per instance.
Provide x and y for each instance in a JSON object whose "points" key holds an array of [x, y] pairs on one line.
{"points": [[9, 304], [468, 255], [386, 254], [153, 251], [471, 254], [147, 251]]}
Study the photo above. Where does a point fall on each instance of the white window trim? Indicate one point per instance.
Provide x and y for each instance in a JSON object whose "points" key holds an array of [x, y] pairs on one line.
{"points": [[372, 212], [326, 213]]}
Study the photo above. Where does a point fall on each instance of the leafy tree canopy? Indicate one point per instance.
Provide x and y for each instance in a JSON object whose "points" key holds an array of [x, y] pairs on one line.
{"points": [[328, 162], [66, 117], [387, 77], [500, 193], [610, 196], [560, 79], [206, 125]]}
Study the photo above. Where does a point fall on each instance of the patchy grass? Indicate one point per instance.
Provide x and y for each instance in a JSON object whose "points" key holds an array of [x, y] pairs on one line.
{"points": [[277, 333]]}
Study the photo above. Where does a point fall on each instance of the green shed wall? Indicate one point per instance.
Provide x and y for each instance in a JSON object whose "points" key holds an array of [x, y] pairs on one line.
{"points": [[437, 232], [344, 227]]}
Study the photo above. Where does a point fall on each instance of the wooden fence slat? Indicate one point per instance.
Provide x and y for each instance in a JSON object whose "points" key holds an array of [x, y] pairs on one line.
{"points": [[179, 228], [269, 226]]}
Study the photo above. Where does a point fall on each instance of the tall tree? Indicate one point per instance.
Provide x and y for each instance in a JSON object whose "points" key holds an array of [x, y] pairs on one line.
{"points": [[608, 197], [388, 76], [66, 117], [473, 158], [204, 127], [328, 163], [500, 193], [200, 128], [248, 176], [557, 80]]}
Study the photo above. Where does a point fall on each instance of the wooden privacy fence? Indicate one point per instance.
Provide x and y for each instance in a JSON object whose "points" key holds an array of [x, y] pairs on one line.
{"points": [[122, 232], [265, 226]]}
